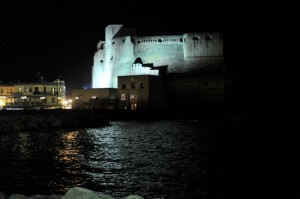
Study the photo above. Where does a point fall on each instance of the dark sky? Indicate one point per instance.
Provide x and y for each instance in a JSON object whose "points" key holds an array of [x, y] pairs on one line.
{"points": [[59, 39]]}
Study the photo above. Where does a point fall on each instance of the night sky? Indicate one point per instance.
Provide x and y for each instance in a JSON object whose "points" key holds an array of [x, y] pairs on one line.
{"points": [[59, 39]]}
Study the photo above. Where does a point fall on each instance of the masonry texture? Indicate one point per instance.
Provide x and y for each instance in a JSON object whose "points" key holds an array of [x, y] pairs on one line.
{"points": [[125, 53]]}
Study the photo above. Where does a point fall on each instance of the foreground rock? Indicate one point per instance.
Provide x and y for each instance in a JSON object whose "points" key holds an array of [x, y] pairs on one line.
{"points": [[72, 193]]}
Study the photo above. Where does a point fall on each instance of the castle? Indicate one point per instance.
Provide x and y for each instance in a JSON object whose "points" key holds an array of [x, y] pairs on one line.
{"points": [[124, 53]]}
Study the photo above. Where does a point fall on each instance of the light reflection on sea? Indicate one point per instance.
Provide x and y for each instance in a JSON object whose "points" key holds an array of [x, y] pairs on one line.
{"points": [[165, 158]]}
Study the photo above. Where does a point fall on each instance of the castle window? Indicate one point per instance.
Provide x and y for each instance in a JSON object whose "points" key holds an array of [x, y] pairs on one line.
{"points": [[208, 38], [132, 40], [124, 40], [196, 38], [139, 41], [160, 40], [123, 86], [112, 57], [180, 39], [133, 85], [113, 42], [142, 85], [102, 46], [101, 60]]}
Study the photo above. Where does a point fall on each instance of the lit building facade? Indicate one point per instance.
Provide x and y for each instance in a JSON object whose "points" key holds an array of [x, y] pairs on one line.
{"points": [[37, 95], [6, 95], [123, 53]]}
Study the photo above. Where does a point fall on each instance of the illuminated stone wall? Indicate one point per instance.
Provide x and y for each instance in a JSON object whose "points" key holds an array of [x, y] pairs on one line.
{"points": [[181, 53]]}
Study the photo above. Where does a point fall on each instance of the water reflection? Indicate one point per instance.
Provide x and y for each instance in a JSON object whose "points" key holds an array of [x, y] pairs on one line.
{"points": [[149, 158]]}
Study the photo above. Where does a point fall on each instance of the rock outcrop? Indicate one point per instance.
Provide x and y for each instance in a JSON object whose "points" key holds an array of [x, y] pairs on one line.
{"points": [[72, 193]]}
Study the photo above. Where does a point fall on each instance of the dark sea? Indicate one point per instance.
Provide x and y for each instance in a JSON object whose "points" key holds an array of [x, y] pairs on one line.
{"points": [[165, 158]]}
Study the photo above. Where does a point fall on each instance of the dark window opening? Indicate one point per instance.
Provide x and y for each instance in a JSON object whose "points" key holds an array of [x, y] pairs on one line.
{"points": [[208, 38], [113, 42], [132, 85], [124, 40], [160, 40], [132, 40], [139, 41], [112, 57], [123, 86], [195, 38], [142, 85], [101, 60], [180, 39]]}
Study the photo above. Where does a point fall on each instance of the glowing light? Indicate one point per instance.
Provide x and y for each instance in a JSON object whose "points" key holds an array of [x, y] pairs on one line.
{"points": [[67, 104]]}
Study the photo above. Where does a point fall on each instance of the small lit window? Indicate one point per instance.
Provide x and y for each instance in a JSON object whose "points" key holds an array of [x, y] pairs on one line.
{"points": [[142, 85], [94, 97], [123, 86]]}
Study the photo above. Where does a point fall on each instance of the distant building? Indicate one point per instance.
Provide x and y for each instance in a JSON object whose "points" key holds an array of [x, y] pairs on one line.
{"points": [[100, 98], [37, 95], [6, 91], [141, 92], [123, 53]]}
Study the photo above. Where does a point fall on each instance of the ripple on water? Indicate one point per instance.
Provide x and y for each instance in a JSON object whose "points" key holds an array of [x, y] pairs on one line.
{"points": [[150, 158]]}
